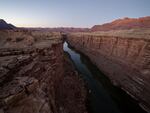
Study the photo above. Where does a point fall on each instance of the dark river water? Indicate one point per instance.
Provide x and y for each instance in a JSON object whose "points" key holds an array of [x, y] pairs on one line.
{"points": [[103, 97]]}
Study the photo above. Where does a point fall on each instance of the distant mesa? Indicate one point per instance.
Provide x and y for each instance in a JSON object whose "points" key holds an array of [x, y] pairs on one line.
{"points": [[5, 25], [123, 24]]}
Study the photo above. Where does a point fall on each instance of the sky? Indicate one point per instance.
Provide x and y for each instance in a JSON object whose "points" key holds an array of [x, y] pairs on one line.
{"points": [[70, 13]]}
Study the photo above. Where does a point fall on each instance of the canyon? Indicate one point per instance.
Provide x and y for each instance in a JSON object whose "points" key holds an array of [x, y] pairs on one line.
{"points": [[123, 56], [43, 70]]}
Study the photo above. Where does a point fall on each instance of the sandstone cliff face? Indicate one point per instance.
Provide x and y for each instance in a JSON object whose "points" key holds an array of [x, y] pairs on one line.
{"points": [[125, 60], [34, 77]]}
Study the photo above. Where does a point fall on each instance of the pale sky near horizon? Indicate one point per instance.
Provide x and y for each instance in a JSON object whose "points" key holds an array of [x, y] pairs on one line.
{"points": [[70, 13]]}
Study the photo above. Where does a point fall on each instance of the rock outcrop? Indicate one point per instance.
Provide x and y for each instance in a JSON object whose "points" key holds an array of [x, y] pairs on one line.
{"points": [[35, 77], [125, 23], [4, 25], [124, 56]]}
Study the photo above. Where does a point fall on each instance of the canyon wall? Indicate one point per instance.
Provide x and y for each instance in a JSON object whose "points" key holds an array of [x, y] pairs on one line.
{"points": [[35, 77], [122, 56]]}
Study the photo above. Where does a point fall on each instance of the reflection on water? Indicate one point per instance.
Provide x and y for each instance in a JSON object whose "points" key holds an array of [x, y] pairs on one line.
{"points": [[104, 97]]}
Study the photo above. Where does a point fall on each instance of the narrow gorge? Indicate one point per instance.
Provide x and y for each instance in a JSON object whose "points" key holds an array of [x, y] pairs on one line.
{"points": [[123, 56], [75, 56], [85, 72]]}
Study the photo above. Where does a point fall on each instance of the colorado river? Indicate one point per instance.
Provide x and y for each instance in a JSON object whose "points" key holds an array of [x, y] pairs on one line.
{"points": [[103, 96]]}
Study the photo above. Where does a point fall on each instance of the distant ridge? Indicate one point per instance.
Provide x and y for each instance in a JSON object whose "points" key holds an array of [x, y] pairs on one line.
{"points": [[5, 25], [119, 24], [125, 23], [60, 29]]}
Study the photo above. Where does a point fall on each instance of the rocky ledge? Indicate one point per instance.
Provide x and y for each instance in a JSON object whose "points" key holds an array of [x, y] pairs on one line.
{"points": [[35, 76]]}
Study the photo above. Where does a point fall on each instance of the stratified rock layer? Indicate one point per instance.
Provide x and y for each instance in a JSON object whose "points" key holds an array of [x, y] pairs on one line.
{"points": [[124, 58], [34, 77]]}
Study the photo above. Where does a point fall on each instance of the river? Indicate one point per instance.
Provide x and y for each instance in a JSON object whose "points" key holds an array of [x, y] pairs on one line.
{"points": [[103, 96]]}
